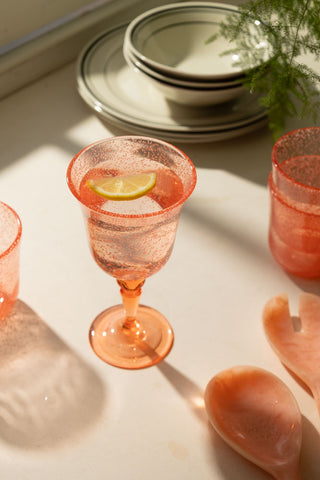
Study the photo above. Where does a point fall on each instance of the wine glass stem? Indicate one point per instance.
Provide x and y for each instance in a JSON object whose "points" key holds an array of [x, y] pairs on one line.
{"points": [[130, 292]]}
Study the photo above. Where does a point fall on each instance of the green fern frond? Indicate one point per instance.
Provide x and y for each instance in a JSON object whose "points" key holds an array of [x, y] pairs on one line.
{"points": [[291, 28]]}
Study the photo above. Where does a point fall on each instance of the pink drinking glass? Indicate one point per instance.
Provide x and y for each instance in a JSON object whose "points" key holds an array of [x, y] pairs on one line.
{"points": [[10, 235], [132, 240], [294, 185]]}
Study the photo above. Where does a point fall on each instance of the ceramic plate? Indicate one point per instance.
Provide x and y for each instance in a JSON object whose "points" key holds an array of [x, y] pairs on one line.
{"points": [[123, 96]]}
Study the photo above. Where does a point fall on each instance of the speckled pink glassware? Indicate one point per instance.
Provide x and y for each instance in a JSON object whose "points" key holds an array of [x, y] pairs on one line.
{"points": [[10, 235], [294, 185], [133, 244]]}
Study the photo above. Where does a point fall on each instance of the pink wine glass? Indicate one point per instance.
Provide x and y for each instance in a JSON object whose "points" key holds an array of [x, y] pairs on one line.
{"points": [[132, 240], [10, 235]]}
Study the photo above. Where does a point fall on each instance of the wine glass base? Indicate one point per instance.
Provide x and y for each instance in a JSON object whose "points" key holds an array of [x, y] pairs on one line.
{"points": [[143, 346]]}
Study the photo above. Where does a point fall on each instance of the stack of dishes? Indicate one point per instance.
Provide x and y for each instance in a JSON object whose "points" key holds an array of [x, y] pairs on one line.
{"points": [[160, 76]]}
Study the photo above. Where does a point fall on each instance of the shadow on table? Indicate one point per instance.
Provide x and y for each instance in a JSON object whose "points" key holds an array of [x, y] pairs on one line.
{"points": [[48, 394], [310, 460], [186, 388]]}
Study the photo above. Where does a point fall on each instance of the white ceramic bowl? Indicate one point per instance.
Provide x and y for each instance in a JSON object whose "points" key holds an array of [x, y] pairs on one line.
{"points": [[172, 39], [136, 62], [192, 96]]}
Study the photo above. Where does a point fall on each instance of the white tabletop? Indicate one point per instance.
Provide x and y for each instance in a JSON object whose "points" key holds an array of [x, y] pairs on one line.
{"points": [[63, 412]]}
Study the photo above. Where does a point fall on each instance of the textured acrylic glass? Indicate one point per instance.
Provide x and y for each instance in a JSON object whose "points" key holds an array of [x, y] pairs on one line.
{"points": [[294, 185], [10, 235], [132, 240]]}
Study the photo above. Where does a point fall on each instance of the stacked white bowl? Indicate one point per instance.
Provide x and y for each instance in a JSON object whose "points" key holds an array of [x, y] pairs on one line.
{"points": [[170, 46]]}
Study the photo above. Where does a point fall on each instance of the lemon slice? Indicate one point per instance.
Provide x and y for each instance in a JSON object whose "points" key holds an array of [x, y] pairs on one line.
{"points": [[123, 187]]}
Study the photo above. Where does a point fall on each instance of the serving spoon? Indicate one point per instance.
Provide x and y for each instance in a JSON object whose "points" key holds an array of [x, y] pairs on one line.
{"points": [[296, 341], [258, 416]]}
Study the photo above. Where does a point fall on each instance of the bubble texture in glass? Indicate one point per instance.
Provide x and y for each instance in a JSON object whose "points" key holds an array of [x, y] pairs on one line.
{"points": [[132, 240], [294, 185], [10, 234]]}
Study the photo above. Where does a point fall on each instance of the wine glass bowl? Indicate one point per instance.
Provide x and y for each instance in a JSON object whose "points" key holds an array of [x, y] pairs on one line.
{"points": [[132, 240]]}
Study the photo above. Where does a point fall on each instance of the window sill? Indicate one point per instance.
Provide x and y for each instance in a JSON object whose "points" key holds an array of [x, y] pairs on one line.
{"points": [[61, 45]]}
